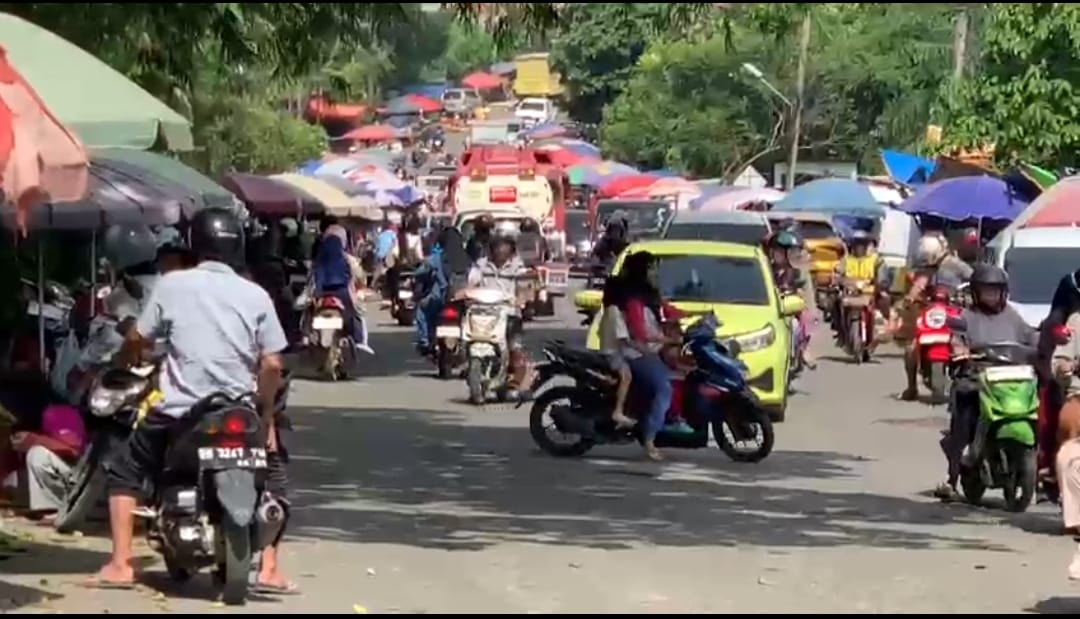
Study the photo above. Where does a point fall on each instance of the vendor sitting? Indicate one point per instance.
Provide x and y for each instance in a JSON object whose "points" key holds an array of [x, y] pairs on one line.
{"points": [[50, 456]]}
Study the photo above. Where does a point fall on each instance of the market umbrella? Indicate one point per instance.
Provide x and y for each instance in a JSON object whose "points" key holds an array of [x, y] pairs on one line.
{"points": [[372, 133], [579, 147], [113, 197], [594, 174], [204, 191], [545, 131], [427, 105], [96, 102], [1057, 206], [271, 198], [503, 68], [832, 196], [40, 161], [966, 197], [906, 168], [335, 200], [568, 158], [735, 198], [618, 186], [663, 188], [481, 81]]}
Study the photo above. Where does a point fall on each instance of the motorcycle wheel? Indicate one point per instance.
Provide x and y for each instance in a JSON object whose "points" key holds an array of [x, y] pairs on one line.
{"points": [[330, 362], [444, 361], [406, 317], [539, 433], [937, 382], [237, 540], [87, 488], [176, 573], [1019, 486], [855, 340], [972, 485], [741, 420], [475, 380]]}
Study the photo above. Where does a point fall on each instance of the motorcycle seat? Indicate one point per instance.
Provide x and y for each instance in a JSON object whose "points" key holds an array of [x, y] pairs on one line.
{"points": [[586, 359]]}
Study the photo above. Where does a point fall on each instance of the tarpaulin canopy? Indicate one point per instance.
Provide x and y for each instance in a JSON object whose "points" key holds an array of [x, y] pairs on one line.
{"points": [[481, 81], [265, 196], [336, 200], [966, 197], [664, 188], [622, 184], [1057, 206], [735, 198], [99, 104], [372, 133], [427, 105], [832, 196], [906, 168], [205, 192]]}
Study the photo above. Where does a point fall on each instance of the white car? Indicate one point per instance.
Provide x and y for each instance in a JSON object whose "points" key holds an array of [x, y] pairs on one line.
{"points": [[535, 112]]}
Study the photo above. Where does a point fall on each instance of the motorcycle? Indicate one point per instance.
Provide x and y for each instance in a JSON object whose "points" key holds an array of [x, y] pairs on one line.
{"points": [[858, 322], [403, 305], [449, 350], [114, 402], [328, 340], [935, 342], [485, 340], [714, 394], [1003, 452], [209, 506]]}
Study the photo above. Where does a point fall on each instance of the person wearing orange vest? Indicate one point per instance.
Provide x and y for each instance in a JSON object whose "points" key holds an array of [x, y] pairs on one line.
{"points": [[860, 265]]}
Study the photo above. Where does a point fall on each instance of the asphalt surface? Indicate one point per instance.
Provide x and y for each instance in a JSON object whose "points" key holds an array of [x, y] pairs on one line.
{"points": [[408, 500]]}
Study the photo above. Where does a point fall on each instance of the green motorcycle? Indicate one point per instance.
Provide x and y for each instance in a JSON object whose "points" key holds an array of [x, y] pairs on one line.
{"points": [[1002, 454]]}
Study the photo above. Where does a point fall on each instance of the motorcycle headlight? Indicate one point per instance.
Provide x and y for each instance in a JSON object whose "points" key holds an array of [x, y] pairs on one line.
{"points": [[106, 402], [936, 318], [758, 340]]}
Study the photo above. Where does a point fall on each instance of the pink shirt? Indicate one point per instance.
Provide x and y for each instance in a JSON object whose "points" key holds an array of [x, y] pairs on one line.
{"points": [[64, 423]]}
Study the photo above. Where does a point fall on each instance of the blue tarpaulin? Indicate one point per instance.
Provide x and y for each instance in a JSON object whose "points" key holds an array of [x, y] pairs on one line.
{"points": [[907, 169]]}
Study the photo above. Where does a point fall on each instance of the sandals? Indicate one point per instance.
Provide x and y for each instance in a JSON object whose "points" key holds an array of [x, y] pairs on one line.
{"points": [[263, 588]]}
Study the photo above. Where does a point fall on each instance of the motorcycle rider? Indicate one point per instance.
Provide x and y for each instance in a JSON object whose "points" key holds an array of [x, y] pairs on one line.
{"points": [[500, 272], [860, 265], [989, 320], [935, 265], [441, 273], [782, 248], [221, 335], [479, 246]]}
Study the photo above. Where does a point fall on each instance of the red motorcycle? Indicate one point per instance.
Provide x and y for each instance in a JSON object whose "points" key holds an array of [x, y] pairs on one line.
{"points": [[935, 342], [328, 341]]}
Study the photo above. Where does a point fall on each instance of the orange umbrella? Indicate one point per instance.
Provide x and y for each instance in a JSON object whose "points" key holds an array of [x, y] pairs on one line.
{"points": [[40, 161]]}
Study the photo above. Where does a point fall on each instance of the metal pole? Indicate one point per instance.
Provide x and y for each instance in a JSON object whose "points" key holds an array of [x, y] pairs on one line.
{"points": [[42, 363], [800, 89]]}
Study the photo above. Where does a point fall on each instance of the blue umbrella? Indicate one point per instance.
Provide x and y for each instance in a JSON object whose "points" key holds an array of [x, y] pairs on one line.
{"points": [[966, 197], [308, 168], [832, 196], [907, 169], [337, 167]]}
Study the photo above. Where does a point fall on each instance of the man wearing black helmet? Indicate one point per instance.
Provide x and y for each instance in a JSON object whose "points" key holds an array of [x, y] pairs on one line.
{"points": [[221, 334], [989, 320]]}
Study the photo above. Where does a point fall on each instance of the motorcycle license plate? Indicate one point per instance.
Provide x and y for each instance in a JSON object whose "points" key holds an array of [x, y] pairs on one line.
{"points": [[934, 338], [405, 295], [320, 323], [232, 457], [448, 333], [1008, 373], [482, 350]]}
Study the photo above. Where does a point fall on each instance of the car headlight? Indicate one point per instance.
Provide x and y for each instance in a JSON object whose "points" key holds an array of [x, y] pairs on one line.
{"points": [[758, 340]]}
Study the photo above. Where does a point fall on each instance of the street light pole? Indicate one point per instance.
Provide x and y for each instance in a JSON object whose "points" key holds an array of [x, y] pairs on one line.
{"points": [[800, 89]]}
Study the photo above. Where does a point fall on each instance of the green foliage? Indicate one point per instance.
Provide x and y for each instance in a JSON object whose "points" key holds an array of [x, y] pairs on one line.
{"points": [[1026, 97]]}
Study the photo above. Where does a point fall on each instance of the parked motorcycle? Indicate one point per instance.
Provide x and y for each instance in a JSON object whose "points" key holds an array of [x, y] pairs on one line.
{"points": [[1003, 452], [934, 339], [858, 326], [403, 305], [327, 341], [114, 403], [715, 394], [486, 342]]}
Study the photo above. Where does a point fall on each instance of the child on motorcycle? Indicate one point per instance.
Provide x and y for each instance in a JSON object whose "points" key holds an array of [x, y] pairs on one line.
{"points": [[988, 321], [613, 332]]}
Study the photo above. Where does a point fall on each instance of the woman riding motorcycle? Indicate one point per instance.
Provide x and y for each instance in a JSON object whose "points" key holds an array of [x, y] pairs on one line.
{"points": [[500, 272], [990, 320], [783, 249], [335, 272], [860, 265]]}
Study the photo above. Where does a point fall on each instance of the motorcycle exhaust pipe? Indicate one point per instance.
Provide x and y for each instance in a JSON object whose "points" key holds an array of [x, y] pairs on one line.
{"points": [[270, 520]]}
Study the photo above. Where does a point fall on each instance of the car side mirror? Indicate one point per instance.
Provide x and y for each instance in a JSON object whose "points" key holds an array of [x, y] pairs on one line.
{"points": [[792, 305]]}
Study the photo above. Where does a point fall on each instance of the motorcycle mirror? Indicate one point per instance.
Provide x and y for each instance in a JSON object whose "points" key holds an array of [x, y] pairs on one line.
{"points": [[957, 324]]}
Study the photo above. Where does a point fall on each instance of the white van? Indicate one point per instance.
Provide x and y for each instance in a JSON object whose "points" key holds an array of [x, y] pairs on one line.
{"points": [[1036, 259]]}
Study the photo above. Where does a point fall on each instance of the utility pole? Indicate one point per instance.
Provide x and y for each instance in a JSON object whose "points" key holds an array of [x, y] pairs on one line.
{"points": [[800, 90], [960, 40]]}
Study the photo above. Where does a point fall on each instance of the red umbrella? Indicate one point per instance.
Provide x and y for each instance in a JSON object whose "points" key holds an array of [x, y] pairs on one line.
{"points": [[567, 158], [481, 81], [40, 160], [622, 184], [427, 105], [372, 133]]}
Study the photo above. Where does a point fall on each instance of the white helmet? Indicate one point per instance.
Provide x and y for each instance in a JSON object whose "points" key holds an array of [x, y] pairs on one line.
{"points": [[931, 250]]}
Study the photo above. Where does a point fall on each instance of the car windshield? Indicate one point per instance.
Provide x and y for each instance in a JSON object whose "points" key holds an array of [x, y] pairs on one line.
{"points": [[743, 234], [533, 106], [641, 216], [1032, 276], [577, 226], [712, 279], [453, 95]]}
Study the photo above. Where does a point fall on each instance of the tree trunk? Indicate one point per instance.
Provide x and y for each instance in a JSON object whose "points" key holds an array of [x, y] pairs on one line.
{"points": [[960, 41], [800, 90]]}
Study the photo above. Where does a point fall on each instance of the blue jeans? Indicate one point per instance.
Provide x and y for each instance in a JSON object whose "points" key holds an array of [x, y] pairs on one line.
{"points": [[426, 315], [650, 373]]}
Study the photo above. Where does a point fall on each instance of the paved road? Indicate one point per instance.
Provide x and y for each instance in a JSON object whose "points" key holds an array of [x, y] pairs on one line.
{"points": [[409, 500]]}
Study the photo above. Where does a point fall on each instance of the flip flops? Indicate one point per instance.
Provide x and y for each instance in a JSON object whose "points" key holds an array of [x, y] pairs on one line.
{"points": [[97, 582], [289, 588]]}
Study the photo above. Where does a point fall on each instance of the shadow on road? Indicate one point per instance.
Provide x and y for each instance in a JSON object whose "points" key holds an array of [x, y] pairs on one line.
{"points": [[32, 557], [1056, 606], [432, 480]]}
